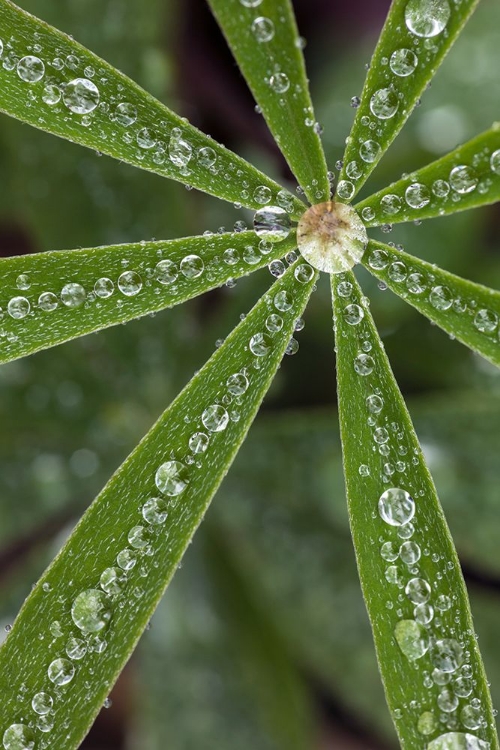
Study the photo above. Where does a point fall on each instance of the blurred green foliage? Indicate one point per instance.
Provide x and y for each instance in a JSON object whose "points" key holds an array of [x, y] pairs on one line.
{"points": [[69, 416]]}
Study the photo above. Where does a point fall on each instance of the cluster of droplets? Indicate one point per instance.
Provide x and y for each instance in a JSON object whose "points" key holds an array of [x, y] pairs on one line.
{"points": [[67, 84], [92, 609], [413, 283], [164, 274], [426, 22], [462, 180], [426, 628]]}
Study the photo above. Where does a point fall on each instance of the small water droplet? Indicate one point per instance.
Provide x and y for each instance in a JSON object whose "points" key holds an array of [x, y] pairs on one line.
{"points": [[463, 179], [155, 510], [172, 478], [384, 103], [403, 62], [364, 364], [42, 703], [18, 307], [76, 648], [263, 29], [104, 287], [129, 283], [61, 671], [30, 69], [260, 344], [447, 655]]}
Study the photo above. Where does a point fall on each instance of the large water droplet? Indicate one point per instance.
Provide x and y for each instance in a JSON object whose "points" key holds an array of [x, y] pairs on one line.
{"points": [[447, 655], [61, 671], [129, 283], [81, 96], [272, 223], [112, 581], [463, 179], [18, 307], [403, 62], [260, 344], [396, 506], [263, 29], [427, 18], [91, 611], [30, 69], [384, 103], [73, 295], [172, 478], [412, 639], [18, 737], [215, 418], [155, 510], [42, 703], [458, 741]]}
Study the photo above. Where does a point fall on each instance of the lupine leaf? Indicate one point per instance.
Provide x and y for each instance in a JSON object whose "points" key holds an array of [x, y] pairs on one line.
{"points": [[409, 570], [51, 297], [416, 36], [467, 311], [180, 462], [467, 177], [265, 42], [107, 111]]}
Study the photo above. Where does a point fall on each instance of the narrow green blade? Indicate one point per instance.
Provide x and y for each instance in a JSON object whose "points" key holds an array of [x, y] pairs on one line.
{"points": [[467, 177], [416, 598], [50, 81], [416, 36], [82, 620], [468, 312], [265, 42], [51, 297]]}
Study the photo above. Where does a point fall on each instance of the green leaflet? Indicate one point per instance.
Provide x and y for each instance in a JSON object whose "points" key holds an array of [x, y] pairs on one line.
{"points": [[131, 539], [467, 177], [409, 570], [416, 36], [467, 311], [266, 45], [52, 297], [50, 81]]}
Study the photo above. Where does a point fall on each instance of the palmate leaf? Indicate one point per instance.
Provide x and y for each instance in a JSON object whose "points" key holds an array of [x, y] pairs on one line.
{"points": [[265, 42], [51, 297], [467, 311], [416, 36], [101, 590], [50, 81], [467, 177], [409, 570]]}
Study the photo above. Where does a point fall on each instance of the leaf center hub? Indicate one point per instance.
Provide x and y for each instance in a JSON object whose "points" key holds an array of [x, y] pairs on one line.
{"points": [[331, 237]]}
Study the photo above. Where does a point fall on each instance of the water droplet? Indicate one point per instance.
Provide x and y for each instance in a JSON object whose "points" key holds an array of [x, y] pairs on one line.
{"points": [[215, 418], [416, 283], [166, 272], [104, 287], [91, 611], [18, 737], [440, 188], [353, 314], [45, 723], [76, 648], [364, 364], [458, 741], [463, 179], [125, 114], [389, 552], [418, 591], [417, 195], [145, 139], [486, 321], [345, 190], [279, 82], [396, 507], [262, 195], [23, 281], [180, 151], [426, 723], [303, 273], [112, 582], [129, 283], [42, 703], [447, 701], [126, 559], [412, 639], [390, 204], [237, 384], [403, 62], [272, 223], [155, 510], [410, 553], [260, 344], [263, 29], [207, 157], [384, 103], [463, 686], [30, 69], [370, 151], [18, 307], [137, 537], [378, 260], [172, 477], [441, 298], [423, 613], [495, 161], [81, 96], [73, 295], [332, 237], [471, 716], [199, 442], [51, 94], [250, 3], [192, 266], [427, 18], [61, 671], [283, 301], [447, 655]]}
